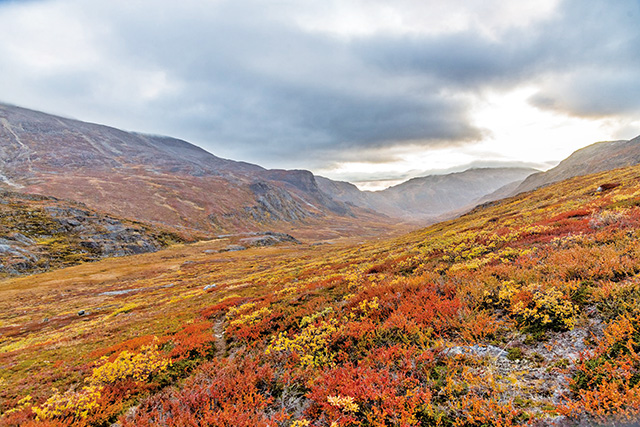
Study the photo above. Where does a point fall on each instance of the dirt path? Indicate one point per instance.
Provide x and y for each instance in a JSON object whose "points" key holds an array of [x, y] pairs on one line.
{"points": [[221, 342]]}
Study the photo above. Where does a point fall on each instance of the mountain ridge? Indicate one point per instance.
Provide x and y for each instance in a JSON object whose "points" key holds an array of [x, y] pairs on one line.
{"points": [[598, 157], [151, 178], [429, 197]]}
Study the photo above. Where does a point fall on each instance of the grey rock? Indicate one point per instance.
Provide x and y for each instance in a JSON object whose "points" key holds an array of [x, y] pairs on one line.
{"points": [[122, 292], [233, 248], [477, 351]]}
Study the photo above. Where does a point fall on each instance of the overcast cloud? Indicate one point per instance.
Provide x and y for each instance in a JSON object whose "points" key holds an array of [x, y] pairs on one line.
{"points": [[317, 83]]}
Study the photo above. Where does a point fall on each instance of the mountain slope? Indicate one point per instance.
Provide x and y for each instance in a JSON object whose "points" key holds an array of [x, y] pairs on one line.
{"points": [[428, 197], [523, 312], [151, 178], [598, 157]]}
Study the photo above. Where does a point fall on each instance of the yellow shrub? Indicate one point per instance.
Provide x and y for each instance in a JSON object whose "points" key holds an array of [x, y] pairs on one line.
{"points": [[534, 305], [345, 403], [310, 344], [136, 366], [72, 404]]}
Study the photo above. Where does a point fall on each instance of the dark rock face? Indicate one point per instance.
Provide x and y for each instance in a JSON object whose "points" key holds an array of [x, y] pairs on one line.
{"points": [[275, 204], [40, 233], [269, 239]]}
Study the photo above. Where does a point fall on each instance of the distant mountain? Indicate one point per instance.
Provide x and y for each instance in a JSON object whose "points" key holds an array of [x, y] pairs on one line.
{"points": [[152, 178], [38, 233], [598, 157], [428, 197]]}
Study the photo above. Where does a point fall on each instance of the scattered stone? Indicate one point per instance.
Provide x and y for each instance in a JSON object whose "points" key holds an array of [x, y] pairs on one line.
{"points": [[269, 238], [233, 248], [82, 313], [210, 251], [122, 292], [607, 186], [211, 286], [477, 351]]}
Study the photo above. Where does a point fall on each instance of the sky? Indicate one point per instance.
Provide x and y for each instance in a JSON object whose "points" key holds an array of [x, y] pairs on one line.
{"points": [[368, 91]]}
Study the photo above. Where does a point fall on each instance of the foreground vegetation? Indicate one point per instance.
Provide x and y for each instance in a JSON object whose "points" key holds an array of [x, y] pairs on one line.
{"points": [[526, 312]]}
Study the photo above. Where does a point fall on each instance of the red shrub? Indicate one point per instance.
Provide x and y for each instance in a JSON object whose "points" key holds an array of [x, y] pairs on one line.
{"points": [[221, 393], [364, 394], [194, 340]]}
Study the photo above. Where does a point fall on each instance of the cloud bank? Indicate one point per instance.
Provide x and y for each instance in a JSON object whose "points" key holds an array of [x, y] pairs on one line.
{"points": [[314, 83]]}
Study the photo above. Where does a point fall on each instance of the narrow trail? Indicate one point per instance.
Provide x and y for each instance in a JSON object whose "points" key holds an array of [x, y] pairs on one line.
{"points": [[221, 342]]}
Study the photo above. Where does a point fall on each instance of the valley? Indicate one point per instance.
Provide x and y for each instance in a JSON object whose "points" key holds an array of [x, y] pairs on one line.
{"points": [[147, 282], [240, 213], [523, 311]]}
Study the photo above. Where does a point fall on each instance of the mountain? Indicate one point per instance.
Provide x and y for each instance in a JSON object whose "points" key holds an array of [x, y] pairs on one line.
{"points": [[39, 233], [598, 157], [153, 178], [428, 197]]}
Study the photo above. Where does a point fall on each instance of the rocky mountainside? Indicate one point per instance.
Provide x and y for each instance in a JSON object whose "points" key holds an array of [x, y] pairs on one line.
{"points": [[598, 157], [39, 233], [151, 178], [429, 196]]}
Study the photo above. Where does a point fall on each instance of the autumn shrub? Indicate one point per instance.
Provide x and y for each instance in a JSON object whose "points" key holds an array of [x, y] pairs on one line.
{"points": [[480, 410], [366, 395], [99, 398], [194, 340], [536, 307], [614, 299], [131, 345], [251, 321], [138, 367], [73, 406], [606, 383], [592, 262], [310, 346], [221, 307], [224, 393]]}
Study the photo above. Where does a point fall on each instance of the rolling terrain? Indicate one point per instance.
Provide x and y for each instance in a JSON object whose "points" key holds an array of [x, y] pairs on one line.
{"points": [[522, 312], [174, 184]]}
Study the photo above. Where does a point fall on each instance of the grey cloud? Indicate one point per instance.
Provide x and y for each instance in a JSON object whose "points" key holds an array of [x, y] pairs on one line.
{"points": [[247, 83], [592, 93], [587, 54], [273, 91]]}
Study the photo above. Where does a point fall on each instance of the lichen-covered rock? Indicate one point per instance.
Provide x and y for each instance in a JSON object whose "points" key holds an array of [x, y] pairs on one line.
{"points": [[42, 233]]}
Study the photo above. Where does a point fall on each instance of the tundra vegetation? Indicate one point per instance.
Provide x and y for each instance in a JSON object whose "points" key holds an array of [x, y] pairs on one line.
{"points": [[522, 312]]}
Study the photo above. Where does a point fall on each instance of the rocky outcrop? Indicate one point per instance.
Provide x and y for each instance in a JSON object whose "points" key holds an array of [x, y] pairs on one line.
{"points": [[40, 233], [268, 238]]}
